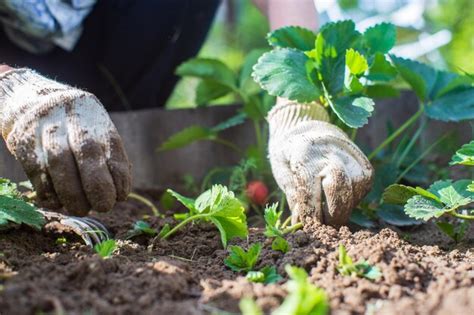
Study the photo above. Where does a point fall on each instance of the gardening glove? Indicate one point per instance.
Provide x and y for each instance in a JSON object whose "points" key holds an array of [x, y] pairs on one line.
{"points": [[65, 141], [321, 171]]}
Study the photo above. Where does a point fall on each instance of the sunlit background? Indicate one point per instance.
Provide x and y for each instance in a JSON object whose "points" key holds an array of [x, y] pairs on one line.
{"points": [[439, 32]]}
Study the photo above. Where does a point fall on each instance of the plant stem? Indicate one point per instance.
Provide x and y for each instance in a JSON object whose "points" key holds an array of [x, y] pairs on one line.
{"points": [[147, 202], [397, 133], [293, 228], [353, 134], [258, 137], [228, 144], [411, 144], [287, 221], [182, 223], [418, 159], [461, 216]]}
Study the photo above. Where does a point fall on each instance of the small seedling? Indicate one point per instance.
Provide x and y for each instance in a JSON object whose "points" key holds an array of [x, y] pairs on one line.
{"points": [[274, 228], [106, 248], [141, 228], [362, 268], [240, 260], [13, 209], [303, 297], [266, 275], [455, 231], [217, 205]]}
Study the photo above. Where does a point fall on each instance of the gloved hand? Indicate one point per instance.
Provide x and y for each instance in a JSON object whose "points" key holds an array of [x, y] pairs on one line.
{"points": [[65, 141], [321, 171]]}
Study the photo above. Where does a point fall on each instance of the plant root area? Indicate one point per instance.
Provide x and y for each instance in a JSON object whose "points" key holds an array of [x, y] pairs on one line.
{"points": [[423, 272]]}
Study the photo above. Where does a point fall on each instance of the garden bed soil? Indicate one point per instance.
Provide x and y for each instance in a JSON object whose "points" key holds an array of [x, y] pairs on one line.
{"points": [[423, 273]]}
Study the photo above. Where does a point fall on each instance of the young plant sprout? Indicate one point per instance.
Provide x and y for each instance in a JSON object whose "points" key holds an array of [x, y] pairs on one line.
{"points": [[303, 297], [362, 268], [217, 205], [106, 248], [141, 228], [274, 228], [240, 260]]}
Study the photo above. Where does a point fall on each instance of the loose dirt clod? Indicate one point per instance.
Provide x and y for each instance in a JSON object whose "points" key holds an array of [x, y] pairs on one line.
{"points": [[185, 274]]}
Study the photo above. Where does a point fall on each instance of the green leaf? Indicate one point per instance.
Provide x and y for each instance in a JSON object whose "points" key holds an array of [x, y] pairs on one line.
{"points": [[282, 72], [455, 232], [9, 189], [355, 62], [470, 188], [266, 275], [106, 248], [272, 221], [280, 244], [19, 211], [187, 202], [456, 195], [456, 105], [209, 69], [399, 194], [225, 211], [381, 91], [463, 156], [208, 90], [186, 137], [354, 112], [362, 268], [303, 297], [229, 123], [340, 35], [165, 229], [419, 76], [422, 208], [141, 228], [360, 218], [249, 307], [381, 69], [292, 37], [381, 37], [395, 215], [241, 260]]}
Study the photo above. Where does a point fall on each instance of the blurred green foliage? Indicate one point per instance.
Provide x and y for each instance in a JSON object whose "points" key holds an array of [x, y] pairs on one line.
{"points": [[458, 17], [236, 31]]}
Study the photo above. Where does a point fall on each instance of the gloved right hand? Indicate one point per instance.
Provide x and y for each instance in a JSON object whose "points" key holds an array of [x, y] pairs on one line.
{"points": [[65, 141]]}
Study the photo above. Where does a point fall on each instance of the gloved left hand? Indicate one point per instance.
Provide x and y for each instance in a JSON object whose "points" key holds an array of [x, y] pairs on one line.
{"points": [[321, 171]]}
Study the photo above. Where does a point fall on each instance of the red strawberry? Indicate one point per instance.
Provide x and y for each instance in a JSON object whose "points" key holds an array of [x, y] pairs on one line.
{"points": [[257, 192]]}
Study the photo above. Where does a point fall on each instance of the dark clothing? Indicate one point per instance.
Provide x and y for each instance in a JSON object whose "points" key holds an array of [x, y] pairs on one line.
{"points": [[129, 46]]}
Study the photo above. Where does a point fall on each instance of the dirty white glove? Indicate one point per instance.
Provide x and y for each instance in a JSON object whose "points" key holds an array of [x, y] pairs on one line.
{"points": [[65, 141], [321, 171]]}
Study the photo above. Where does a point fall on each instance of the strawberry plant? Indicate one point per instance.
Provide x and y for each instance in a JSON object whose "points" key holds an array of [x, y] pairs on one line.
{"points": [[303, 297], [241, 260], [361, 268], [274, 228], [14, 208], [444, 197], [217, 205]]}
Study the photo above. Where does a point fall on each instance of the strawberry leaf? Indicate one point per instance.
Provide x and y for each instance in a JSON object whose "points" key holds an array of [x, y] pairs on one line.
{"points": [[292, 37], [354, 112], [399, 194], [241, 260], [209, 69], [381, 37], [283, 73], [422, 208], [465, 155]]}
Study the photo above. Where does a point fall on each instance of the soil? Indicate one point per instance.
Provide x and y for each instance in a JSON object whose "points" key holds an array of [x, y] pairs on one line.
{"points": [[423, 272]]}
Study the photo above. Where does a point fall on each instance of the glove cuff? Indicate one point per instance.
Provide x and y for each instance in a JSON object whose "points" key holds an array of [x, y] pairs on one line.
{"points": [[287, 115], [23, 91]]}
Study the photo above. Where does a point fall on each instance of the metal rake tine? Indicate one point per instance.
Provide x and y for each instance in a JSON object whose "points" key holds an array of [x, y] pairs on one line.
{"points": [[90, 230]]}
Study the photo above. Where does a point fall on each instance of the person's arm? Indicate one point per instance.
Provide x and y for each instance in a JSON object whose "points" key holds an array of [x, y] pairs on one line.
{"points": [[65, 140], [289, 12]]}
